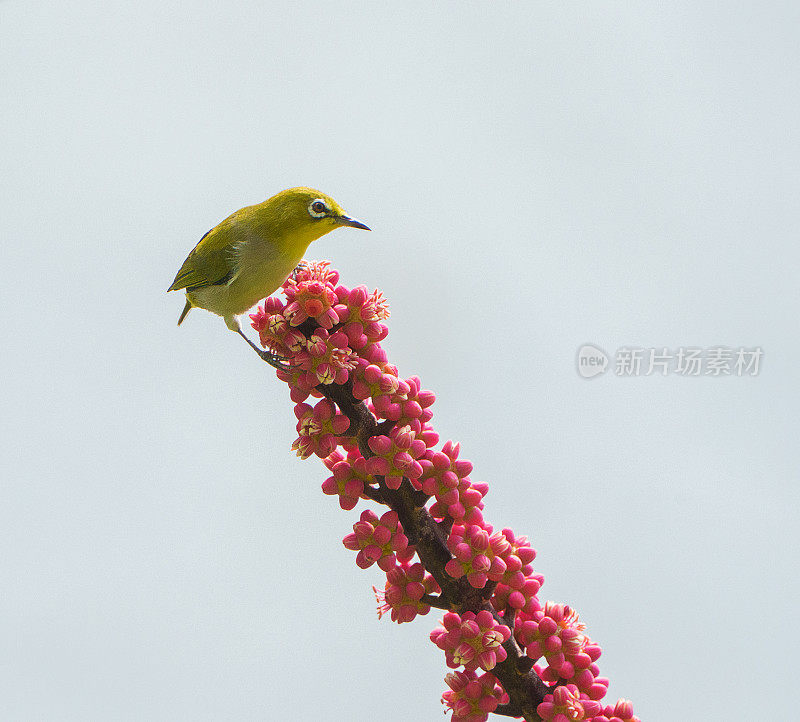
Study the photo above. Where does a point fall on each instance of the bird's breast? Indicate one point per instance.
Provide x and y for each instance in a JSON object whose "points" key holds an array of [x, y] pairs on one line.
{"points": [[260, 268]]}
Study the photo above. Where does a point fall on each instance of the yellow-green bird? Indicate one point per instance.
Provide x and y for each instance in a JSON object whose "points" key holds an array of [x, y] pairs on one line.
{"points": [[252, 252]]}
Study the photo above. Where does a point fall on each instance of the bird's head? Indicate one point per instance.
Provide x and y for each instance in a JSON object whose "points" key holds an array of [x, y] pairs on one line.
{"points": [[309, 212]]}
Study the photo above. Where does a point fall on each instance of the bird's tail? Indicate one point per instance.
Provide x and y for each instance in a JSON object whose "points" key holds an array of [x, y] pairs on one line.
{"points": [[186, 309]]}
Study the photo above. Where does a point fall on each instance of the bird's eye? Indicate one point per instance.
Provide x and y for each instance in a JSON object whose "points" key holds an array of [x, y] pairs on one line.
{"points": [[318, 208]]}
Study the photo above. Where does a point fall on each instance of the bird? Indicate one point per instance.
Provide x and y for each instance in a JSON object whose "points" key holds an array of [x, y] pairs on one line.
{"points": [[253, 251]]}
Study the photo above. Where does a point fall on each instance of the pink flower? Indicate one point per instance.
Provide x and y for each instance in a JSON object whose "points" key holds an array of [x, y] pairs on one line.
{"points": [[474, 640], [361, 313], [521, 597], [446, 477], [517, 555], [311, 294], [477, 555], [349, 477], [471, 697], [331, 334], [405, 586], [566, 703], [314, 271], [395, 456], [415, 407], [556, 634], [318, 427], [325, 359], [622, 711], [272, 326], [360, 305], [371, 381], [377, 540]]}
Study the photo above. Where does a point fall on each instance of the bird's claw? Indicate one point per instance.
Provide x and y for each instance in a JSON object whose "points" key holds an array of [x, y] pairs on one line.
{"points": [[298, 268], [268, 356], [276, 361]]}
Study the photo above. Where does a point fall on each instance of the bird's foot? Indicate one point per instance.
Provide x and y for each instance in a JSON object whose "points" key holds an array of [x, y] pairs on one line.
{"points": [[268, 356], [276, 361], [298, 268]]}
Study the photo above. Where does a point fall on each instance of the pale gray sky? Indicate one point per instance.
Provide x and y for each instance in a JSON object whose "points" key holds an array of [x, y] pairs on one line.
{"points": [[537, 176]]}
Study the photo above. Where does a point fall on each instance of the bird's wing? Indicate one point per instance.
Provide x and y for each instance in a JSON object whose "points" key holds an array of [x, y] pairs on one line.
{"points": [[211, 262]]}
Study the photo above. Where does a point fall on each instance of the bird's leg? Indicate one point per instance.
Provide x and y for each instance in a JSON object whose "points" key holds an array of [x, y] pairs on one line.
{"points": [[267, 356], [299, 267]]}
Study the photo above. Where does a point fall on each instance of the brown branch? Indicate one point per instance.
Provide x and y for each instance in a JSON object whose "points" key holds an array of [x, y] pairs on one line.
{"points": [[524, 687], [434, 601]]}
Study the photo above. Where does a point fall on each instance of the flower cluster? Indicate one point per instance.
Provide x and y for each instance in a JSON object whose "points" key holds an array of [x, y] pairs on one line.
{"points": [[349, 477], [378, 540], [310, 295], [472, 698], [446, 477], [556, 634], [327, 354], [395, 456], [473, 640], [403, 597], [317, 428], [372, 428], [622, 711], [566, 703]]}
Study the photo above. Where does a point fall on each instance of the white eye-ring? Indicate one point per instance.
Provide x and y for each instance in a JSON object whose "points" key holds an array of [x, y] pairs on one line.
{"points": [[318, 208]]}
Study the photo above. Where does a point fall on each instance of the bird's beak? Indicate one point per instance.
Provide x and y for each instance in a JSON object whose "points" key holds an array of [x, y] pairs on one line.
{"points": [[352, 222]]}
